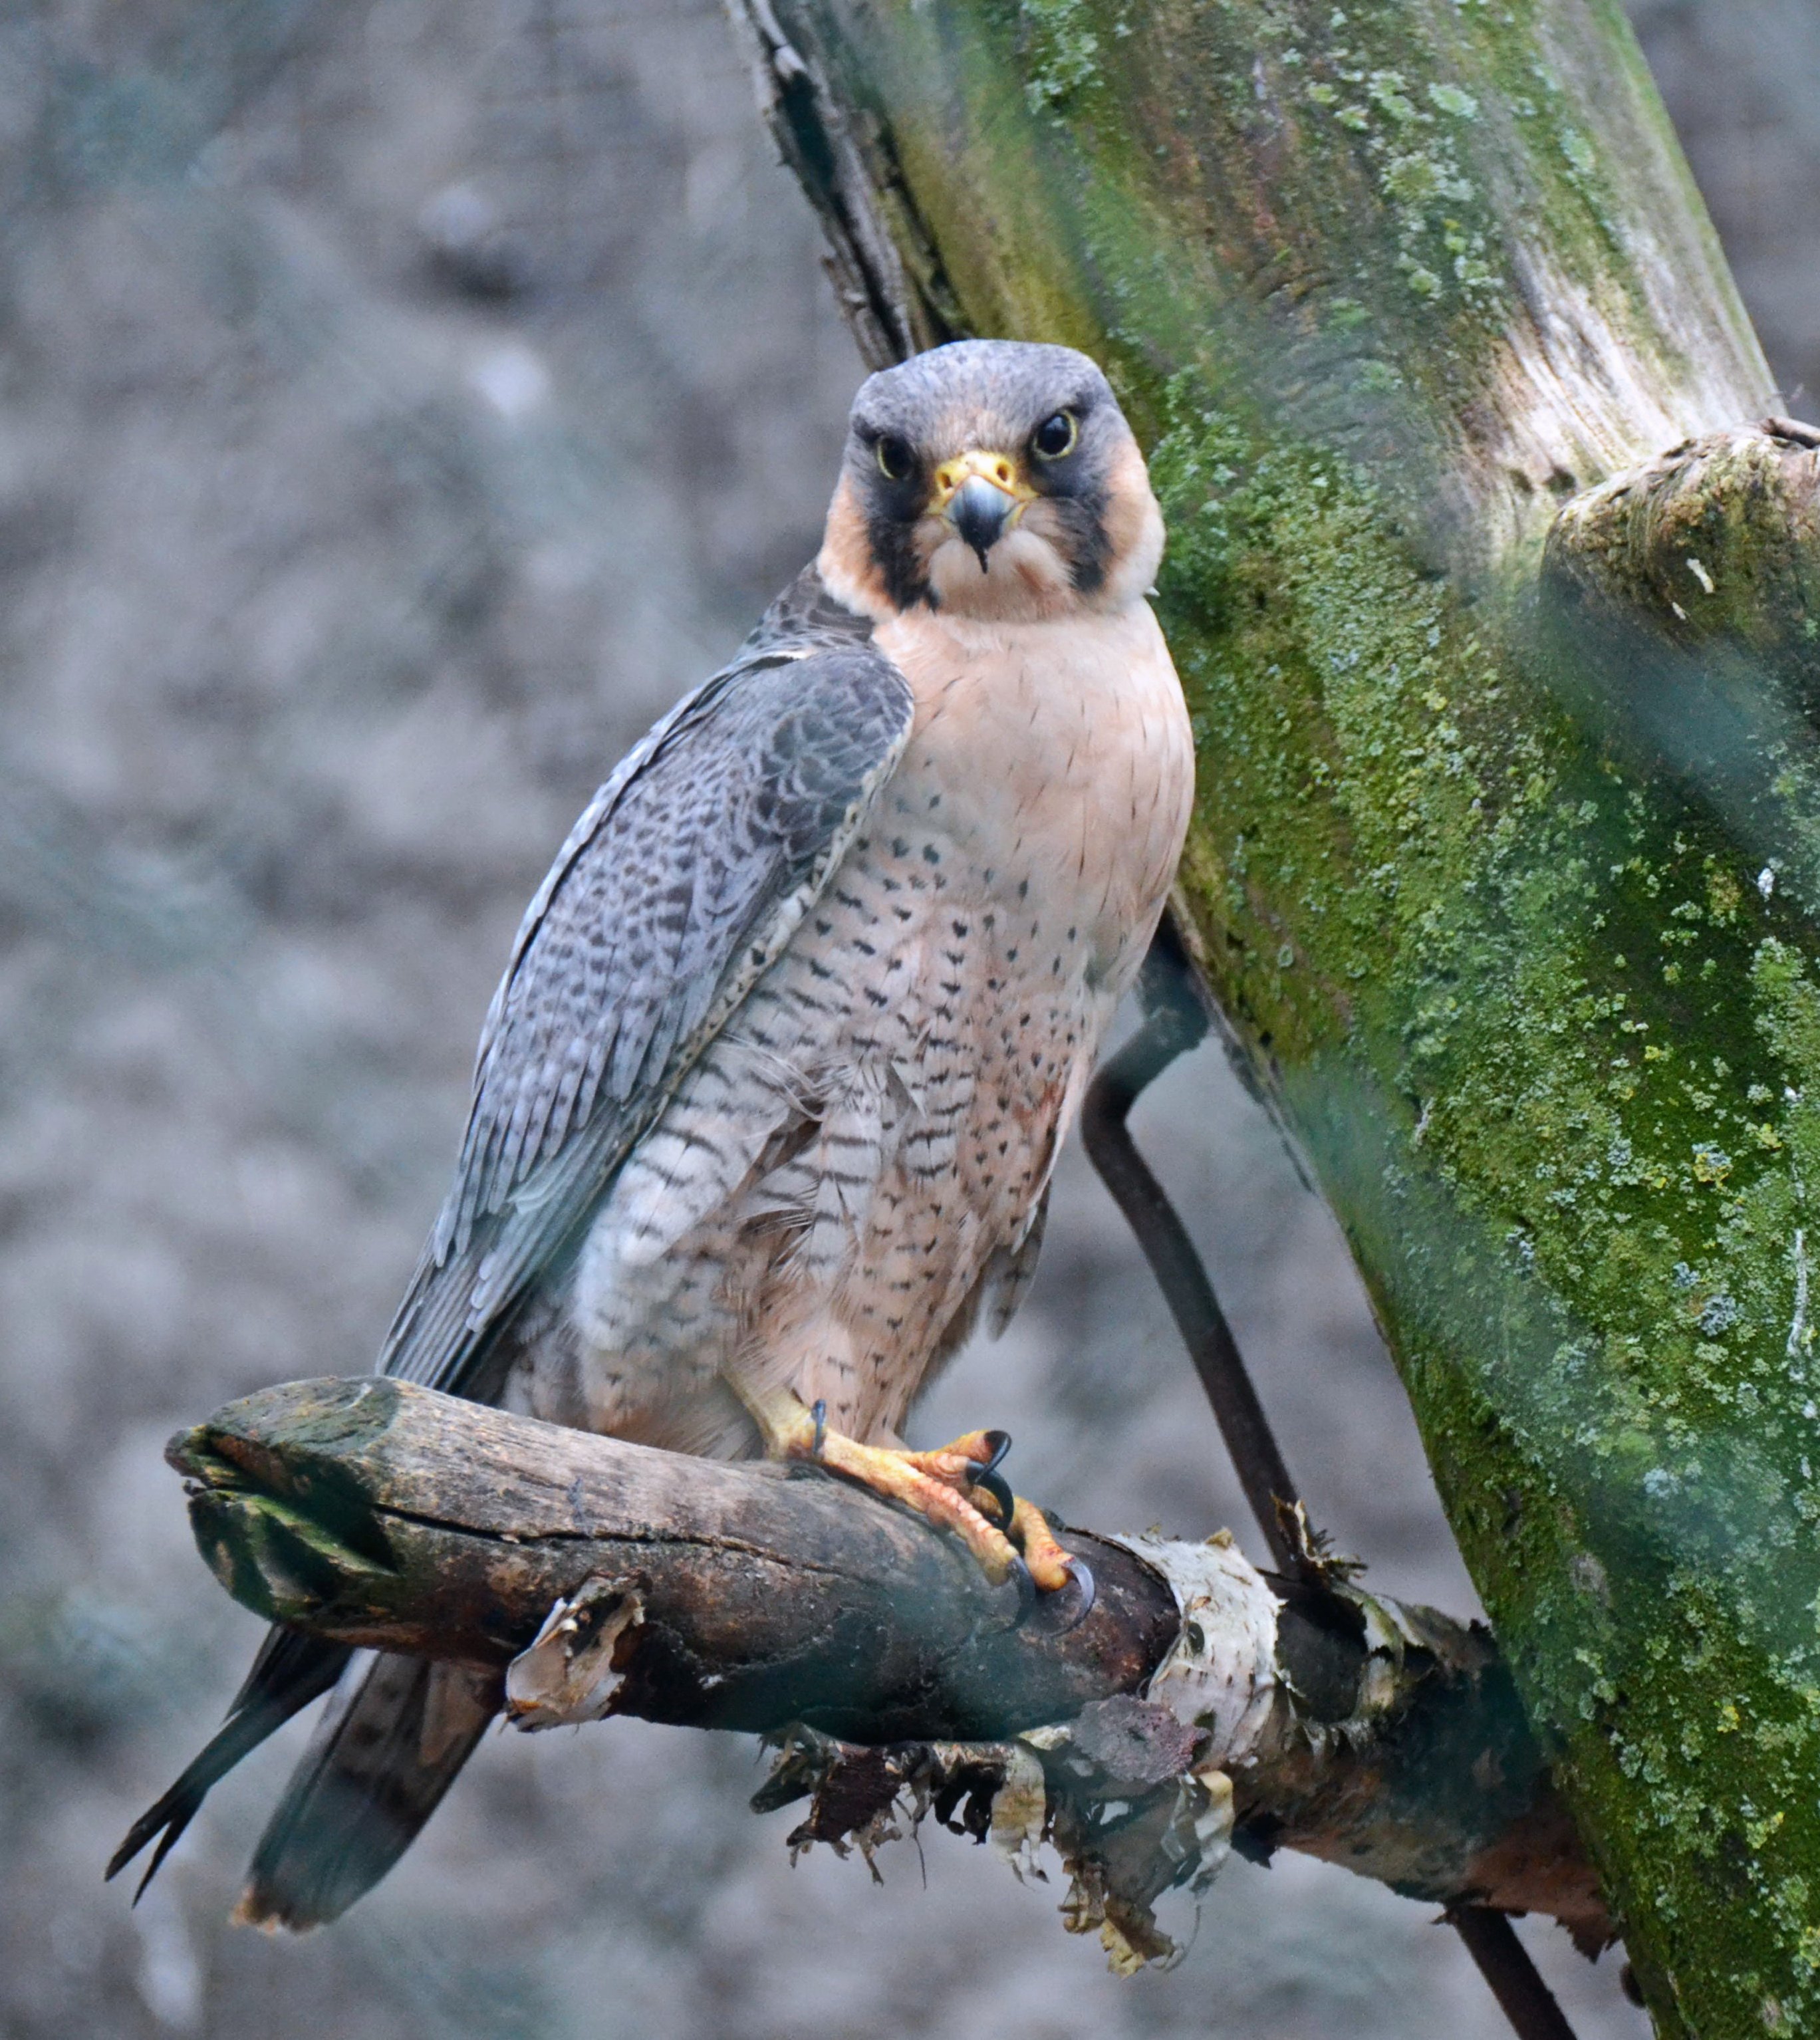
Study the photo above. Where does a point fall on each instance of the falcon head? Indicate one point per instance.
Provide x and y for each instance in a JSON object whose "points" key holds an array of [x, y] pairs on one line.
{"points": [[993, 479]]}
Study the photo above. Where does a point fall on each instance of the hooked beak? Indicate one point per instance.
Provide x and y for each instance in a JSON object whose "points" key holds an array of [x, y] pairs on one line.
{"points": [[980, 513], [979, 496]]}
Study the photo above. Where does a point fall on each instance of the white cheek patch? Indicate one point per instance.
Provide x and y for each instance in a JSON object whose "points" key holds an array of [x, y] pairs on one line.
{"points": [[1025, 576]]}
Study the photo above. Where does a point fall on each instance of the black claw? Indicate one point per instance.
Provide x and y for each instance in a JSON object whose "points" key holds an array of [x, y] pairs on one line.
{"points": [[1088, 1593], [819, 1412], [986, 1475], [1026, 1588], [997, 1489], [1066, 1608]]}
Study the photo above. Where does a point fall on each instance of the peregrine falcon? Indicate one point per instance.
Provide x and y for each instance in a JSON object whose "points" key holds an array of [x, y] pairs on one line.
{"points": [[767, 1102]]}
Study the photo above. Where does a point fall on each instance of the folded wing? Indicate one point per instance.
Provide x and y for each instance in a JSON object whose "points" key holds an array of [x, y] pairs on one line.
{"points": [[681, 883]]}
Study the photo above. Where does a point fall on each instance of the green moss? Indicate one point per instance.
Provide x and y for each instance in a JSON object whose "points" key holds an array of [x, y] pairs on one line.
{"points": [[1528, 1134], [1061, 51]]}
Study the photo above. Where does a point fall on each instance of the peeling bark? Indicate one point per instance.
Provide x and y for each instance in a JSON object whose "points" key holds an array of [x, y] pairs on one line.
{"points": [[1198, 1702], [1506, 880]]}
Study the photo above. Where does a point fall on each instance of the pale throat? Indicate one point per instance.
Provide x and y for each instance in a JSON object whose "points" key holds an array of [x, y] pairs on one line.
{"points": [[1024, 580], [1061, 753]]}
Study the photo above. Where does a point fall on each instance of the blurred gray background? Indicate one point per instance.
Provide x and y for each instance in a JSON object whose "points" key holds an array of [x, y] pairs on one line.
{"points": [[400, 404]]}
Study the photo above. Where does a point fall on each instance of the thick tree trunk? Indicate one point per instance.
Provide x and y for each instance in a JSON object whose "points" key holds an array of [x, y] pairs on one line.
{"points": [[1507, 882]]}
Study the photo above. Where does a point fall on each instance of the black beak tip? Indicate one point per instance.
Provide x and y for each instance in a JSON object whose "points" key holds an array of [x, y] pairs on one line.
{"points": [[981, 512]]}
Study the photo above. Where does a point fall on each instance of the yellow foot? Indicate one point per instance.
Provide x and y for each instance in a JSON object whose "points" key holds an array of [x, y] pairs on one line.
{"points": [[953, 1487]]}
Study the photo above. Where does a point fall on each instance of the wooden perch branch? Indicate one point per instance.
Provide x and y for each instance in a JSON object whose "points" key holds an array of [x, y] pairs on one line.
{"points": [[1198, 1698], [392, 1517]]}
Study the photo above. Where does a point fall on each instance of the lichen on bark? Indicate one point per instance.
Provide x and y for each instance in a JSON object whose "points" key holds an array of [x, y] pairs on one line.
{"points": [[1517, 927]]}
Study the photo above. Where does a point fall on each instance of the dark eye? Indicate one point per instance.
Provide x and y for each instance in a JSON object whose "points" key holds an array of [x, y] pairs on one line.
{"points": [[1055, 436], [895, 459]]}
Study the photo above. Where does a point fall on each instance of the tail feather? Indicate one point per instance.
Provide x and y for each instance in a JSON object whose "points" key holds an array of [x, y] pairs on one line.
{"points": [[291, 1671], [394, 1736]]}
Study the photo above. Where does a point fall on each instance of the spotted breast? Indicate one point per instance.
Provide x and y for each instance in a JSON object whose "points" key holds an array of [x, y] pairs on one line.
{"points": [[859, 1165]]}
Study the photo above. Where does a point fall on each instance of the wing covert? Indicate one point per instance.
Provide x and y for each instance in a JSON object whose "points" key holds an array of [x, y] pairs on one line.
{"points": [[678, 887]]}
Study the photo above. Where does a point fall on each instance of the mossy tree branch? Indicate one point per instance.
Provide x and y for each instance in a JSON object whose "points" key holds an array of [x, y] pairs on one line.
{"points": [[1507, 881], [1316, 1718]]}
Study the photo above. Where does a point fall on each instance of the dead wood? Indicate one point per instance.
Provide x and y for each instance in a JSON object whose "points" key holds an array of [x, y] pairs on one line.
{"points": [[1196, 1703]]}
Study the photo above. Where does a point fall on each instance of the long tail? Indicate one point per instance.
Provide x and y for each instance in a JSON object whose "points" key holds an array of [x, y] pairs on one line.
{"points": [[291, 1671], [390, 1745]]}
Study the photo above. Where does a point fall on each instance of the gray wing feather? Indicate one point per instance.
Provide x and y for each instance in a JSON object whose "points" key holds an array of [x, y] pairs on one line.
{"points": [[679, 886]]}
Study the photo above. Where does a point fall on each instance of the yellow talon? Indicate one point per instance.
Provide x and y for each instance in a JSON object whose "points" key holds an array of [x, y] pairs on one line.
{"points": [[940, 1485]]}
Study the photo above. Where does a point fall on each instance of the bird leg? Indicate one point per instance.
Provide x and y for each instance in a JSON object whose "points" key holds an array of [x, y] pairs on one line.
{"points": [[951, 1487]]}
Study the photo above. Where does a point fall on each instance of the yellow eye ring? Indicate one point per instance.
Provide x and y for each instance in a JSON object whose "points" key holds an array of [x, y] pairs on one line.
{"points": [[1056, 437], [895, 462]]}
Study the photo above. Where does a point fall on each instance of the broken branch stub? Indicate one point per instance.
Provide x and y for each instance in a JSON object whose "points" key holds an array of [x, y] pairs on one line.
{"points": [[1680, 614], [1198, 1705], [1710, 551]]}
